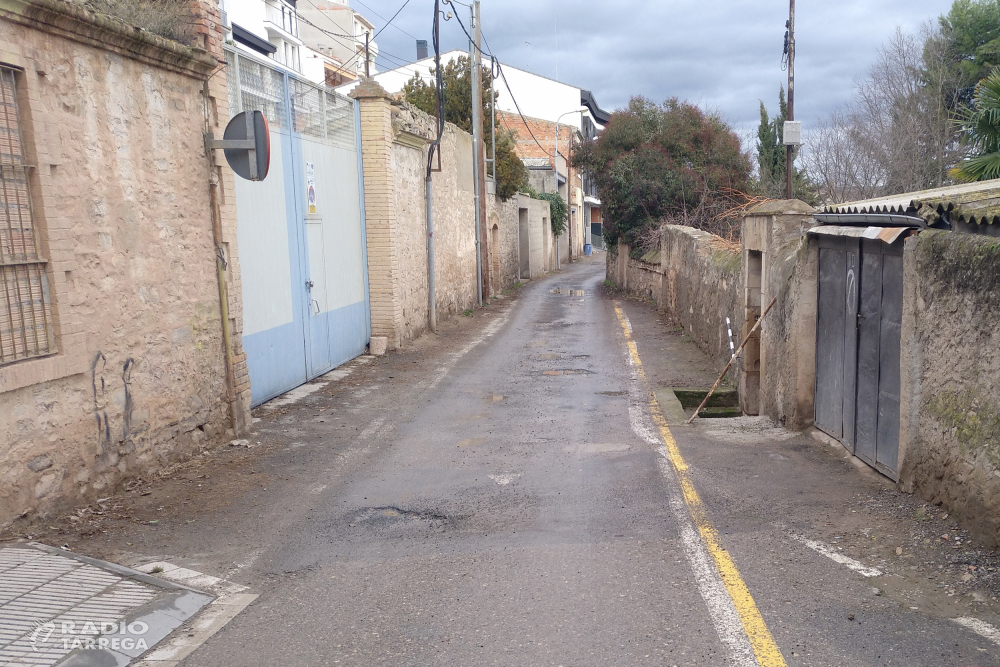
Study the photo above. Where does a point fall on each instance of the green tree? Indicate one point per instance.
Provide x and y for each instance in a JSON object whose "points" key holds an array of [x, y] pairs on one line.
{"points": [[664, 162], [457, 78], [970, 33], [981, 133]]}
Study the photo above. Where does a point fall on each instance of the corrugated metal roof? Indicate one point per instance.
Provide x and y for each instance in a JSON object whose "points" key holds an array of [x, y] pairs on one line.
{"points": [[970, 203]]}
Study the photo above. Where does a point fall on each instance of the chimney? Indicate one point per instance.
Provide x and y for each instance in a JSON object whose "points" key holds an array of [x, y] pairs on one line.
{"points": [[421, 49]]}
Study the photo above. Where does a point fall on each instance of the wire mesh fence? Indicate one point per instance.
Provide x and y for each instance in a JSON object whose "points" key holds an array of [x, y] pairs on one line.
{"points": [[308, 109]]}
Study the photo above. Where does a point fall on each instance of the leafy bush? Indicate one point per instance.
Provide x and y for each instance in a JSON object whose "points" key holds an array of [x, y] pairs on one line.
{"points": [[664, 163]]}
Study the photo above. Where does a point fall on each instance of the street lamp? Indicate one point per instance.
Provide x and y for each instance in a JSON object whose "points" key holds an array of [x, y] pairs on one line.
{"points": [[555, 170]]}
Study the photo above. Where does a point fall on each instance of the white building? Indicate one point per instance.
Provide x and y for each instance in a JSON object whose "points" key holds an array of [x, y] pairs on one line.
{"points": [[333, 29], [274, 29], [538, 96]]}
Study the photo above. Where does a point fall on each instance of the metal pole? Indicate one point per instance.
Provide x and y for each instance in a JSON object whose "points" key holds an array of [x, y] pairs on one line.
{"points": [[790, 150], [431, 300], [493, 123], [367, 55], [555, 170], [482, 284]]}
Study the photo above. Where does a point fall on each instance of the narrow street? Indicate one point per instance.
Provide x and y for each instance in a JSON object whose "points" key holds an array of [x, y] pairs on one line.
{"points": [[501, 495]]}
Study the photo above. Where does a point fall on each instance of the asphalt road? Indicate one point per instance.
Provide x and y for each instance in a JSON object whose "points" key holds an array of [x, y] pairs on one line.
{"points": [[501, 496]]}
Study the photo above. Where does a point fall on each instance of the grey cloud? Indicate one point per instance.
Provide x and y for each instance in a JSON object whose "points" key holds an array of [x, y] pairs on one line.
{"points": [[724, 55]]}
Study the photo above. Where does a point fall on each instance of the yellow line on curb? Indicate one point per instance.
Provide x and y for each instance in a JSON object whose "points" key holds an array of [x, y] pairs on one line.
{"points": [[764, 646]]}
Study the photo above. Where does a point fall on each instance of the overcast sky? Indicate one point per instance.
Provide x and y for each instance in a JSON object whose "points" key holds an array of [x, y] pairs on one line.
{"points": [[720, 54]]}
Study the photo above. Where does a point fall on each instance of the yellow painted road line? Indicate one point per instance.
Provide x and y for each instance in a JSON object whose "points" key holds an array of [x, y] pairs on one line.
{"points": [[764, 647]]}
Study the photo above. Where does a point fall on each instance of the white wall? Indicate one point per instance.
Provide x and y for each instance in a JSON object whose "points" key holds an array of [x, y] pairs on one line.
{"points": [[538, 96], [249, 15]]}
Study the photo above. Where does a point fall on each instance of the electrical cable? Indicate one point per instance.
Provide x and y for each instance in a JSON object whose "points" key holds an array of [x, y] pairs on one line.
{"points": [[383, 18], [392, 19]]}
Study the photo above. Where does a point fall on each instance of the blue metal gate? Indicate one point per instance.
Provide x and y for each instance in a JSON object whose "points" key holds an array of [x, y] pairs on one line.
{"points": [[300, 232]]}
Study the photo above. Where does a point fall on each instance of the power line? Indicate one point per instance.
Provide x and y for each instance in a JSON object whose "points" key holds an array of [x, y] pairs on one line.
{"points": [[393, 19], [354, 39], [383, 18]]}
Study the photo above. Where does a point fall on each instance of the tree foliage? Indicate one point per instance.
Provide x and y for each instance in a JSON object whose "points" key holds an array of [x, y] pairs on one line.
{"points": [[981, 129], [970, 36], [655, 163], [897, 133], [457, 78]]}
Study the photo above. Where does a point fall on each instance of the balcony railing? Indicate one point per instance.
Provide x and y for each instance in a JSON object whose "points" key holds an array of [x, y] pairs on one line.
{"points": [[283, 16]]}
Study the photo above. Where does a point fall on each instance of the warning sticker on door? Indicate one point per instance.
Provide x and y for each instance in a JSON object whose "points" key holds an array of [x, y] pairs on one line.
{"points": [[310, 188]]}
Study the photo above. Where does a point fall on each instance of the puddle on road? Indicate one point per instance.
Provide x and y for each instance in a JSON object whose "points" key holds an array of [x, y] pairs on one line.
{"points": [[569, 292]]}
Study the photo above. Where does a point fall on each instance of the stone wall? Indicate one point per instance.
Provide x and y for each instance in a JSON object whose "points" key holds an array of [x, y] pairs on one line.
{"points": [[950, 395], [696, 283], [113, 120], [395, 139], [778, 371], [454, 218]]}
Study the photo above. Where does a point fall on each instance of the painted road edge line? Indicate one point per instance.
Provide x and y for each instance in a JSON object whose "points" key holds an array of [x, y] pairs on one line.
{"points": [[762, 642], [838, 557], [981, 628]]}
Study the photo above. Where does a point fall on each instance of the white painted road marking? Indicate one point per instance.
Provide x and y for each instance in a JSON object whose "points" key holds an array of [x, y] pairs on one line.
{"points": [[981, 628], [721, 607], [838, 557]]}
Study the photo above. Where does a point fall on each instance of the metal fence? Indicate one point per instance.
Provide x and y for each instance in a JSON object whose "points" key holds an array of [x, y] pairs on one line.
{"points": [[289, 102], [25, 315]]}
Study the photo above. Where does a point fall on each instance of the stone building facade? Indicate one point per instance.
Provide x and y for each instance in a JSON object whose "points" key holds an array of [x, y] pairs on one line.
{"points": [[138, 374]]}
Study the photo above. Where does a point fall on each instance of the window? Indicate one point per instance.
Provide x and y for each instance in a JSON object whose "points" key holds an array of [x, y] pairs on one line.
{"points": [[25, 316]]}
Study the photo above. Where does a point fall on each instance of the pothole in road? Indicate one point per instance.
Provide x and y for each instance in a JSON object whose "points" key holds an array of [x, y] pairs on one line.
{"points": [[610, 393], [569, 371], [391, 516]]}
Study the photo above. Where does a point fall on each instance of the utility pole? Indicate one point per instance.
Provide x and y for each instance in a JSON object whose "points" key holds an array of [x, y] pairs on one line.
{"points": [[482, 237], [790, 150], [367, 55]]}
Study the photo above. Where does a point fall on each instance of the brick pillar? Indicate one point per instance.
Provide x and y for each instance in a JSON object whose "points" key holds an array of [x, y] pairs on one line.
{"points": [[384, 284]]}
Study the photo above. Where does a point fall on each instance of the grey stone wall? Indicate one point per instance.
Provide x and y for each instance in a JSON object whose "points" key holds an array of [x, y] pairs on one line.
{"points": [[950, 392], [696, 283]]}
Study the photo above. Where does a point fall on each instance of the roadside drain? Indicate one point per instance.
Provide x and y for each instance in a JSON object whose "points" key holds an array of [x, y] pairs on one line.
{"points": [[722, 403]]}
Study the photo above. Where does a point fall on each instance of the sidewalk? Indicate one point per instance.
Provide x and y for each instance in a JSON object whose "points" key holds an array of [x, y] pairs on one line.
{"points": [[59, 608]]}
